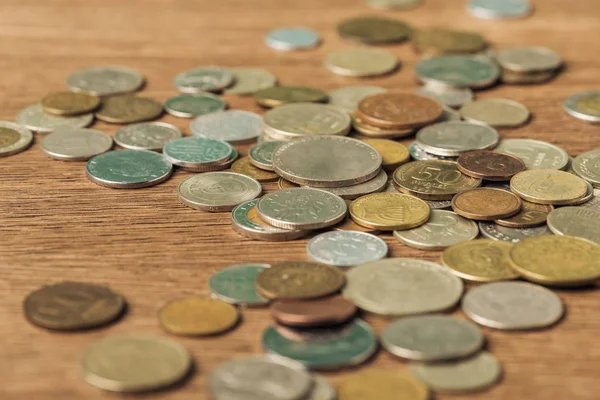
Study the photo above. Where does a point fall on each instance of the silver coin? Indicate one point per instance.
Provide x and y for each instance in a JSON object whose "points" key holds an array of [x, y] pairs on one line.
{"points": [[34, 118], [451, 97], [346, 248], [146, 136], [301, 208], [529, 59], [534, 153], [218, 191], [322, 390], [499, 9], [352, 192], [470, 374], [394, 4], [432, 338], [105, 80], [454, 138], [458, 71], [498, 113], [512, 306], [13, 138], [348, 97], [203, 79], [76, 144], [299, 119], [327, 161], [444, 229], [234, 126], [261, 155], [402, 286], [296, 38], [248, 81], [245, 221], [265, 377], [575, 221], [450, 115], [594, 202], [584, 106], [513, 235], [197, 152], [419, 154], [194, 105], [587, 166], [237, 285]]}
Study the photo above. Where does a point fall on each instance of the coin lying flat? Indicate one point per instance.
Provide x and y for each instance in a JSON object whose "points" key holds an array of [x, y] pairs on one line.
{"points": [[348, 97], [105, 80], [448, 96], [584, 106], [394, 4], [453, 138], [234, 126], [261, 155], [375, 185], [346, 248], [190, 106], [197, 316], [447, 41], [389, 211], [295, 120], [528, 59], [314, 313], [127, 109], [297, 38], [372, 131], [534, 153], [76, 144], [382, 385], [594, 202], [245, 220], [203, 79], [458, 71], [244, 166], [548, 187], [69, 103], [279, 95], [575, 221], [494, 231], [490, 165], [419, 154], [248, 81], [34, 118], [374, 30], [486, 204], [361, 62], [587, 166], [399, 110], [237, 285], [13, 138], [530, 215], [151, 136], [498, 113], [393, 154], [499, 9], [480, 260], [514, 78], [196, 152]]}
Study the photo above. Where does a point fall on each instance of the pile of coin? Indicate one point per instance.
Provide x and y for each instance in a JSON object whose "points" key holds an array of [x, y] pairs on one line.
{"points": [[523, 65]]}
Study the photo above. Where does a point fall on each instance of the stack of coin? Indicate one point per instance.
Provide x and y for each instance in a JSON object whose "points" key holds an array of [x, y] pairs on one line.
{"points": [[436, 41], [528, 65], [200, 154]]}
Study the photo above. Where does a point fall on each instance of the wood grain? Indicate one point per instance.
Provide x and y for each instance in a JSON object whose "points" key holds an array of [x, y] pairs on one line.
{"points": [[56, 225]]}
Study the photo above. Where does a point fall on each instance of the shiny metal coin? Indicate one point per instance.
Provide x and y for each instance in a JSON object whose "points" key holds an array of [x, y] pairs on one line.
{"points": [[454, 138], [348, 97], [346, 248], [203, 79], [34, 118], [234, 126], [151, 136], [458, 71], [352, 192], [190, 106], [499, 9], [300, 119], [76, 144], [575, 221], [261, 155], [248, 81], [13, 138], [237, 285], [245, 221], [361, 62], [419, 154], [528, 59], [534, 153], [587, 166], [498, 113], [448, 96], [105, 80], [197, 152], [286, 39], [584, 106], [494, 231]]}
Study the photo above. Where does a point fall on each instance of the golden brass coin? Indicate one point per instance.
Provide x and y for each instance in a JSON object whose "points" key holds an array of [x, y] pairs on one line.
{"points": [[299, 280], [486, 204], [197, 316], [394, 154], [244, 167], [376, 384], [530, 215], [389, 211], [515, 78], [285, 184], [348, 225], [279, 95], [436, 41], [480, 260], [399, 110], [70, 103], [374, 30], [557, 260], [544, 186], [377, 132], [127, 109]]}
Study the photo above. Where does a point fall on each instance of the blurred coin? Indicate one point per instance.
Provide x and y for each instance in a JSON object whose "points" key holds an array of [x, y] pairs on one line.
{"points": [[126, 109], [375, 185], [34, 118], [348, 97], [530, 215], [458, 71], [283, 184], [453, 138], [394, 4], [69, 103], [13, 138], [296, 120], [499, 9], [146, 136], [393, 153], [203, 79], [313, 313], [548, 186], [448, 96], [486, 204], [515, 78], [374, 30], [490, 165], [447, 41], [237, 285], [372, 131], [389, 211], [105, 80], [346, 248], [322, 390], [534, 153], [584, 106], [248, 81], [197, 316], [245, 221], [382, 385], [279, 95], [494, 231], [498, 113], [480, 260], [348, 225], [587, 166], [76, 144], [575, 221], [361, 61], [293, 38], [243, 166], [261, 155], [196, 152], [398, 110], [234, 126], [190, 106], [594, 202], [449, 115], [419, 154], [528, 59]]}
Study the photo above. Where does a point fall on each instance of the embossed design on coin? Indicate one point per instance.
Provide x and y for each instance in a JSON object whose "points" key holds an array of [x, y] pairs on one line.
{"points": [[299, 119], [197, 152], [146, 136], [105, 80], [389, 211], [486, 204], [531, 215], [233, 126], [453, 138], [587, 166], [346, 248], [494, 231], [548, 186], [76, 144], [261, 155], [534, 153], [575, 221], [480, 260], [34, 118], [13, 138], [490, 165], [198, 80]]}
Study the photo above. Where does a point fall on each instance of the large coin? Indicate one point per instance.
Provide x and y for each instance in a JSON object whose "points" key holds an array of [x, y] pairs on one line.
{"points": [[534, 153], [352, 192], [237, 284], [584, 106], [399, 110], [575, 221], [105, 80], [530, 215], [250, 80], [499, 9], [234, 126], [498, 113], [382, 385], [447, 41], [494, 231], [280, 95], [361, 62], [346, 248], [490, 165], [389, 211], [448, 96], [245, 220], [296, 120], [203, 79], [374, 30], [393, 154], [453, 138], [480, 260], [316, 313], [587, 166], [76, 144], [286, 39], [458, 71], [197, 152], [528, 59], [244, 166], [13, 138], [486, 204], [197, 316], [146, 136], [69, 103], [548, 186], [34, 118], [348, 97], [127, 109], [190, 106]]}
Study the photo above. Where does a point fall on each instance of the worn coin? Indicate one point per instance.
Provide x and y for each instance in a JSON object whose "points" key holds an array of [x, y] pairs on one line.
{"points": [[313, 313], [248, 81], [300, 119], [499, 9], [530, 215], [402, 286], [105, 80], [584, 106], [486, 204], [453, 138], [587, 166], [534, 153], [146, 136], [494, 231], [261, 155], [382, 385], [375, 185], [419, 154], [34, 118], [361, 62], [244, 166], [14, 138], [292, 38], [393, 154], [399, 110], [447, 41], [69, 103], [348, 97], [234, 126], [458, 71], [203, 79], [76, 144], [374, 30], [480, 260], [280, 95], [575, 221], [197, 152], [498, 113], [490, 165], [548, 186], [127, 109], [346, 248], [528, 59], [237, 285], [190, 106], [448, 96], [389, 211], [197, 316], [245, 221]]}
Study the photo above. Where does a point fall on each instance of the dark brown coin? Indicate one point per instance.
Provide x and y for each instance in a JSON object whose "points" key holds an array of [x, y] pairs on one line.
{"points": [[374, 30], [73, 305], [486, 204], [127, 109], [531, 215], [490, 165], [399, 110], [314, 313]]}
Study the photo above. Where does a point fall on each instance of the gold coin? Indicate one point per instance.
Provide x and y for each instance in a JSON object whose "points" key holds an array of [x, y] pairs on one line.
{"points": [[480, 260], [348, 225], [376, 384], [374, 30], [394, 154], [299, 280], [379, 133], [544, 186], [486, 204], [389, 211], [70, 103], [127, 109], [279, 95], [557, 260], [437, 41], [531, 215], [516, 78], [244, 167], [197, 316]]}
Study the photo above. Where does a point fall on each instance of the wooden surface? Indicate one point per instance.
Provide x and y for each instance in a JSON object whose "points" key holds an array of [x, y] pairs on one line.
{"points": [[56, 225]]}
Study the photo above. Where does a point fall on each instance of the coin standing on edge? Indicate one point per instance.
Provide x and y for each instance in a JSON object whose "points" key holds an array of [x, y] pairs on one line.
{"points": [[34, 118], [245, 221], [237, 285], [13, 138], [197, 316], [105, 80], [76, 144], [346, 248], [152, 136], [480, 260]]}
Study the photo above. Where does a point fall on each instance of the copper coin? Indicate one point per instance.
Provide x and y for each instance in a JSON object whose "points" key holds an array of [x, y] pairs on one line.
{"points": [[399, 110], [531, 215], [314, 313], [486, 204], [490, 165]]}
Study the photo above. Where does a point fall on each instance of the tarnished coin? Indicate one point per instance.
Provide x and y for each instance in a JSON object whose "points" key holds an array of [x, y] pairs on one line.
{"points": [[394, 4], [280, 95], [374, 30], [512, 306], [490, 165], [244, 166], [76, 144], [203, 79], [447, 41], [448, 96], [587, 166], [190, 106], [248, 81], [419, 154], [128, 169], [547, 186], [584, 106], [261, 155], [295, 120], [494, 231], [234, 126], [393, 154], [534, 153], [498, 113], [343, 347], [197, 152], [464, 375], [432, 338], [135, 363], [399, 110], [499, 9], [382, 385], [313, 313], [218, 191], [348, 97], [402, 286], [245, 221], [361, 62], [453, 138], [294, 38], [297, 280], [237, 285], [34, 118], [575, 221], [528, 59], [105, 80], [389, 211], [151, 136], [346, 248], [127, 109], [458, 71], [530, 215], [486, 204], [443, 229], [73, 306], [13, 138], [352, 192], [69, 103], [480, 260], [197, 316]]}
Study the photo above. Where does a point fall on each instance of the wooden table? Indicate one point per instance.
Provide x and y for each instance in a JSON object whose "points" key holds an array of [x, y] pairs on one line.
{"points": [[56, 225]]}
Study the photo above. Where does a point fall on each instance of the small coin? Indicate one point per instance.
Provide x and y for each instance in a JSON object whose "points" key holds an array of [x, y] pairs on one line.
{"points": [[394, 4], [297, 38], [127, 109], [348, 97], [432, 338], [34, 118], [244, 166], [382, 385], [389, 211], [197, 316], [237, 285], [105, 80], [575, 221], [190, 106], [548, 186], [280, 95], [245, 221], [374, 30], [419, 154], [393, 154], [76, 144], [13, 138], [447, 41], [197, 152], [453, 138], [498, 113], [448, 96], [399, 110], [486, 204], [514, 78], [494, 231], [480, 260], [346, 248], [261, 155], [587, 166], [69, 103], [283, 184], [528, 59], [299, 280], [499, 9], [443, 229], [361, 62], [530, 215], [203, 79], [490, 165], [352, 192], [248, 81], [322, 390], [218, 191], [151, 136], [386, 287], [234, 126], [471, 374], [372, 131], [314, 313], [534, 153], [584, 106], [128, 169], [458, 71], [594, 202], [295, 120]]}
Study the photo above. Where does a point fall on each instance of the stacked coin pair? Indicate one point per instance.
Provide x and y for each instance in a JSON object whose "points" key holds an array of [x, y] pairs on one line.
{"points": [[528, 65]]}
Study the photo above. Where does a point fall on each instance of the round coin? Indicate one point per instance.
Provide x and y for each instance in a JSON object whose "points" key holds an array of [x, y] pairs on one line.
{"points": [[547, 186], [458, 71], [127, 109], [528, 59], [295, 120], [34, 118], [322, 390], [453, 138], [480, 260], [389, 211], [587, 166], [203, 79], [498, 113], [361, 62], [190, 106], [76, 144], [261, 155], [514, 78], [105, 80], [534, 153], [245, 221], [196, 152], [346, 248], [297, 38], [575, 221], [448, 96], [248, 81], [13, 138], [530, 215], [348, 97], [394, 4], [69, 103], [197, 316], [393, 154], [151, 136], [494, 231], [486, 204], [352, 192], [490, 165], [584, 106], [244, 166], [447, 41], [314, 313], [237, 285], [374, 30], [399, 110], [280, 95], [376, 132], [234, 126], [499, 9], [382, 385], [419, 154]]}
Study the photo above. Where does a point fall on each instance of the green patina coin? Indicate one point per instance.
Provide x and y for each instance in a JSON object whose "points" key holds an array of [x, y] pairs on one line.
{"points": [[237, 284], [128, 169], [190, 106], [261, 155], [194, 152], [458, 71], [279, 95]]}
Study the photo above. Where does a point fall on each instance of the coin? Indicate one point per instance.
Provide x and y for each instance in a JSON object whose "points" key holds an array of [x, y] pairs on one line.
{"points": [[389, 211], [594, 202], [348, 97], [587, 166], [261, 155], [443, 229], [146, 136], [197, 152], [76, 144], [498, 113], [394, 4], [387, 287], [499, 9], [458, 71], [480, 260], [203, 79], [548, 186], [584, 106], [73, 306], [197, 316], [105, 80], [243, 166], [127, 109], [432, 338], [399, 110], [13, 138], [234, 126], [190, 106], [486, 204], [218, 191], [447, 41], [69, 103], [382, 385], [283, 184], [531, 215], [352, 192], [346, 248], [471, 374], [314, 313], [348, 225], [295, 120], [279, 95], [490, 165], [494, 231], [534, 153], [448, 96], [248, 81], [374, 30], [393, 154], [361, 62], [419, 154], [514, 78], [376, 132], [293, 38], [322, 390], [453, 138], [237, 285], [575, 221], [128, 169], [433, 179], [588, 196], [347, 347], [299, 280], [34, 118], [245, 221], [528, 59]]}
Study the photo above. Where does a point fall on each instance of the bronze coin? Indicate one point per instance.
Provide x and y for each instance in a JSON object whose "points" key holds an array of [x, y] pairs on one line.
{"points": [[486, 204], [490, 165], [127, 109], [313, 313], [70, 103], [399, 110], [531, 215], [73, 305]]}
